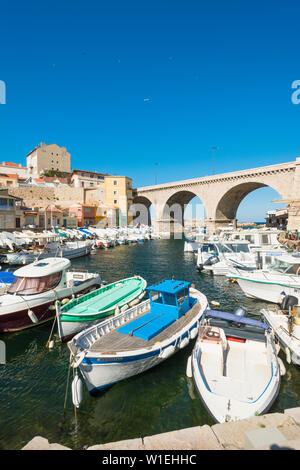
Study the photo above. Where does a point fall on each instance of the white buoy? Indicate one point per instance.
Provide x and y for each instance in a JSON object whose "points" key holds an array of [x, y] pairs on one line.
{"points": [[76, 391], [215, 303], [32, 316], [194, 332], [183, 343], [281, 367], [189, 367], [51, 344], [167, 352]]}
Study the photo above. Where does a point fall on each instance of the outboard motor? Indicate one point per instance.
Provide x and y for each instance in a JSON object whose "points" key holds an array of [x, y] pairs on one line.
{"points": [[211, 260], [288, 301], [240, 311], [200, 267]]}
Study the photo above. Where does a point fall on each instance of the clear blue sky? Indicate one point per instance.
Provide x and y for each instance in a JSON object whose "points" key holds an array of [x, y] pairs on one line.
{"points": [[125, 84]]}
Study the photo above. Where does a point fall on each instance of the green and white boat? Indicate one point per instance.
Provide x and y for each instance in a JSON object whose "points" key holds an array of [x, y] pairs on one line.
{"points": [[88, 310]]}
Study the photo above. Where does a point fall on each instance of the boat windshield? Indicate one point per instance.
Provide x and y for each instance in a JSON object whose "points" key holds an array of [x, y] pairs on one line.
{"points": [[208, 248], [284, 267], [236, 247], [34, 285]]}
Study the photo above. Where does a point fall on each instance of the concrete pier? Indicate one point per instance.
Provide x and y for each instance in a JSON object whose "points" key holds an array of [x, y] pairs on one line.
{"points": [[273, 431]]}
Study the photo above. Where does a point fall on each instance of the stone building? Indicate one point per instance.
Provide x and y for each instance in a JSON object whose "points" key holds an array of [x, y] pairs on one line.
{"points": [[45, 158]]}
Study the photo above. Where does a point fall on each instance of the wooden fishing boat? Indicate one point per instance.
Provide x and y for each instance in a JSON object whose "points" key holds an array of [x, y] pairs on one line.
{"points": [[139, 338], [30, 298], [87, 310], [234, 365]]}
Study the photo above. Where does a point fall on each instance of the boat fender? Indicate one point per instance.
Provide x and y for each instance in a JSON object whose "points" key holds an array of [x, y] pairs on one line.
{"points": [[288, 355], [282, 368], [194, 332], [32, 316], [65, 301], [76, 391], [117, 310], [167, 352], [124, 308], [189, 367], [277, 348], [77, 360], [51, 344], [183, 343], [215, 303], [141, 295], [134, 302]]}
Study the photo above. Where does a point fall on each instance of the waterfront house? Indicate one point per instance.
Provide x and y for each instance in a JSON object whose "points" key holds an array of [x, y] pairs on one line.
{"points": [[11, 211], [85, 213]]}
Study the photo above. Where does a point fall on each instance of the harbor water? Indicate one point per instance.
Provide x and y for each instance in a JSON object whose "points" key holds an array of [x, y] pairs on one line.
{"points": [[33, 383]]}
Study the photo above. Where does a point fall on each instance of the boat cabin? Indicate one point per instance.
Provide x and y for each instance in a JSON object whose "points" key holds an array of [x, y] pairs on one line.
{"points": [[170, 296], [287, 264], [40, 276], [225, 248], [169, 300]]}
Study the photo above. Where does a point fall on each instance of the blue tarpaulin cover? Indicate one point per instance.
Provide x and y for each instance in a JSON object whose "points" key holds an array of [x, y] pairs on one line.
{"points": [[235, 318], [6, 277]]}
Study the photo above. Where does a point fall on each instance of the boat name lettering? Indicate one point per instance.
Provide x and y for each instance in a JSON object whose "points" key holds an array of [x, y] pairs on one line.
{"points": [[104, 359]]}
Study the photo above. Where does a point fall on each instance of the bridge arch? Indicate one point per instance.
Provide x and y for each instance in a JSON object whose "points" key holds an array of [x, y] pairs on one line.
{"points": [[140, 210], [172, 209], [228, 204]]}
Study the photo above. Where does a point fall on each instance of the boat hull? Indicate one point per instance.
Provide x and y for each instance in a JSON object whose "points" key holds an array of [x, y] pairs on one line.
{"points": [[43, 308], [289, 342], [100, 371], [69, 325], [268, 291], [238, 409]]}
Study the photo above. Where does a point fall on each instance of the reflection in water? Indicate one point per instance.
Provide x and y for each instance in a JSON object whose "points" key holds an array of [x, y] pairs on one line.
{"points": [[33, 382]]}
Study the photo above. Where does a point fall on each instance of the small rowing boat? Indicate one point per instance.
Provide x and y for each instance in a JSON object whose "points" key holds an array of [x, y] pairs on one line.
{"points": [[234, 366], [87, 310]]}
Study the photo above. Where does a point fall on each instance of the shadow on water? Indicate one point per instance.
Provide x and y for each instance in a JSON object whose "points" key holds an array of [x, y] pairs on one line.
{"points": [[33, 382]]}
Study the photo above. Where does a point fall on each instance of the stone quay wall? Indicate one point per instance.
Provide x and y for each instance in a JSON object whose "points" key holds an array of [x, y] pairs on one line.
{"points": [[272, 431]]}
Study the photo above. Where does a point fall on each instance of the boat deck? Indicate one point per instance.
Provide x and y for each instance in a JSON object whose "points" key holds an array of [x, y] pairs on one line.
{"points": [[115, 342], [107, 297]]}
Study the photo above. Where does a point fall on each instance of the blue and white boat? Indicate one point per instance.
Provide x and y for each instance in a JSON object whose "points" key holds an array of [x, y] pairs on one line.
{"points": [[234, 365], [140, 338]]}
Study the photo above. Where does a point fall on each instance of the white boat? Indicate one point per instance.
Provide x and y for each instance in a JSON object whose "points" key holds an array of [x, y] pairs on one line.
{"points": [[30, 299], [217, 257], [70, 250], [234, 366], [285, 322], [273, 283], [139, 338]]}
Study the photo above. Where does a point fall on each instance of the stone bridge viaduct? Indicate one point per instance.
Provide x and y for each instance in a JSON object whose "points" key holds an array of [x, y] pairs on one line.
{"points": [[221, 195]]}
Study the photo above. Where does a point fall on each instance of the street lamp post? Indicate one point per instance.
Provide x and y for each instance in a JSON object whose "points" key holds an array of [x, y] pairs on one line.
{"points": [[213, 150]]}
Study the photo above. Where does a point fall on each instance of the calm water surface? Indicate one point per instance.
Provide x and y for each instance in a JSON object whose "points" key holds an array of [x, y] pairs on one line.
{"points": [[33, 382]]}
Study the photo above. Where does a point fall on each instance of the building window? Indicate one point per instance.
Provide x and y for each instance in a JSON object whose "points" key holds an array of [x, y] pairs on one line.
{"points": [[115, 182], [115, 192], [115, 201]]}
